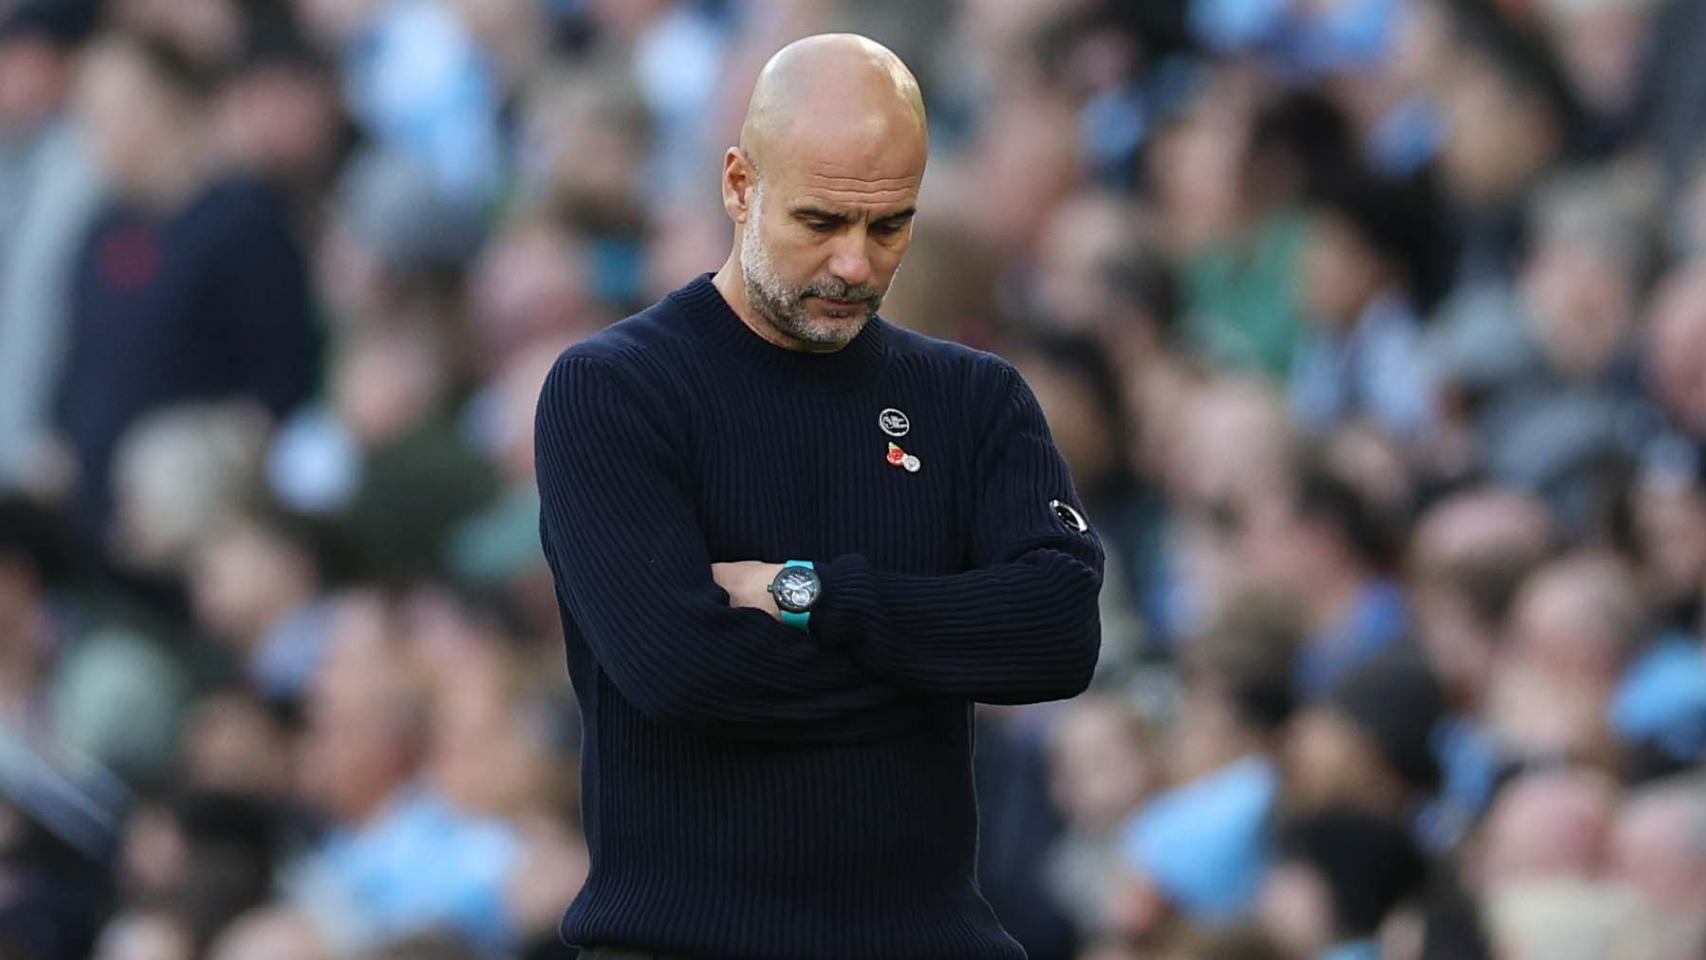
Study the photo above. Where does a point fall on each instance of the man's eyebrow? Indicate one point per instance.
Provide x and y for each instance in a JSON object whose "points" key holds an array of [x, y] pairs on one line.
{"points": [[816, 213]]}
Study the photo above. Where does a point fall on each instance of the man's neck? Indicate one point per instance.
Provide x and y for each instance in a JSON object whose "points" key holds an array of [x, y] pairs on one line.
{"points": [[175, 176]]}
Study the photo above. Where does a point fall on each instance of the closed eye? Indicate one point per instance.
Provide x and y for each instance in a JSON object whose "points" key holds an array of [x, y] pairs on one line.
{"points": [[893, 223], [819, 220]]}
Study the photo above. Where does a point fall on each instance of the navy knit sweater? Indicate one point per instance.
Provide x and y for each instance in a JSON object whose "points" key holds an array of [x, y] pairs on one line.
{"points": [[750, 790]]}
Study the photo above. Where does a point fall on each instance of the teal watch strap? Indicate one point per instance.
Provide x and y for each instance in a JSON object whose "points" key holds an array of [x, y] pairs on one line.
{"points": [[799, 621]]}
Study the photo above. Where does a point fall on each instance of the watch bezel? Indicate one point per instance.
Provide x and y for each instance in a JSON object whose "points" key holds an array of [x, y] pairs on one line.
{"points": [[806, 576]]}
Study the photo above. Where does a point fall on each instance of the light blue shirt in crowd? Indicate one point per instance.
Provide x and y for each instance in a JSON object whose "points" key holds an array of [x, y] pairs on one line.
{"points": [[418, 865], [1661, 699], [1374, 370], [416, 78], [1205, 845], [1376, 621]]}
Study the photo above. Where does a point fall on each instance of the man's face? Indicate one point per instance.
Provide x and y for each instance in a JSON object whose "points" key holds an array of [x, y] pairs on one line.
{"points": [[129, 113], [819, 251]]}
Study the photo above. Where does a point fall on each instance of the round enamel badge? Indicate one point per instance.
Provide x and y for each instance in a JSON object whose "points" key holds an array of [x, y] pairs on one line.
{"points": [[1069, 516]]}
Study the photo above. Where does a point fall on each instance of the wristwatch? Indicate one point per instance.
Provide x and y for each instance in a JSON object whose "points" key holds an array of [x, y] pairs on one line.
{"points": [[795, 589]]}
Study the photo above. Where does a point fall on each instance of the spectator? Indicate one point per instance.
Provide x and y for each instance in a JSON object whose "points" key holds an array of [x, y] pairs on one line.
{"points": [[180, 475], [426, 90], [1470, 556], [1577, 300], [91, 682], [1357, 358], [190, 286], [400, 857], [1341, 874], [356, 461], [1104, 764], [1577, 623], [1370, 745], [1509, 118], [1232, 179], [50, 192], [1547, 826], [1667, 515], [256, 584], [1198, 850], [1600, 48], [279, 113], [1326, 542], [1660, 705], [531, 286]]}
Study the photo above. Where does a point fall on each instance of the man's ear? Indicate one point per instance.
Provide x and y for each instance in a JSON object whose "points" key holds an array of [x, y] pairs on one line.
{"points": [[739, 177]]}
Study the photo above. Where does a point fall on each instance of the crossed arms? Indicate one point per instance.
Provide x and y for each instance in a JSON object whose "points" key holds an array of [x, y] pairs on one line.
{"points": [[1020, 626]]}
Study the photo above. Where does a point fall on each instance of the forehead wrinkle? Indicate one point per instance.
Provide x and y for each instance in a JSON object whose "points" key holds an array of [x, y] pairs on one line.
{"points": [[900, 183], [854, 189], [838, 201]]}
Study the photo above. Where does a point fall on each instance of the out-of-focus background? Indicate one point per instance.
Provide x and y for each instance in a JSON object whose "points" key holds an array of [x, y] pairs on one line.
{"points": [[1374, 331]]}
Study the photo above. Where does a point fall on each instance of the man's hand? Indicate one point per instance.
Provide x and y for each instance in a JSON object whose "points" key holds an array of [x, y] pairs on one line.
{"points": [[747, 583]]}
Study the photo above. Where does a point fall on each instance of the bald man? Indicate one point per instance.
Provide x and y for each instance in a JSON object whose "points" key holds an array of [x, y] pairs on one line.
{"points": [[793, 544]]}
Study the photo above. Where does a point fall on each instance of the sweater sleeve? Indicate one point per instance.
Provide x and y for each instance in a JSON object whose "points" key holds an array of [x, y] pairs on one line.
{"points": [[1021, 625], [632, 570]]}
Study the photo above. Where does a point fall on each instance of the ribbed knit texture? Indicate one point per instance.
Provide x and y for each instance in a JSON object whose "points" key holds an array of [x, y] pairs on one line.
{"points": [[750, 790]]}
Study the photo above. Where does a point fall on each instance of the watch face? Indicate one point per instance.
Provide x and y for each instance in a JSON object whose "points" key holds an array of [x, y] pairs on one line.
{"points": [[796, 589]]}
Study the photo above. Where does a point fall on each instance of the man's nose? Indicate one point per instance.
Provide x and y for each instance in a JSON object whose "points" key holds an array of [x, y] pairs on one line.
{"points": [[851, 262]]}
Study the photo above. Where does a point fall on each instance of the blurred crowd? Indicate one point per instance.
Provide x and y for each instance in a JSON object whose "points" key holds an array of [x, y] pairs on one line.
{"points": [[1374, 332]]}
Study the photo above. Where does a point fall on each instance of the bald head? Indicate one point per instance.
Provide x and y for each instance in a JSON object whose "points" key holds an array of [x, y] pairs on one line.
{"points": [[833, 85], [822, 190]]}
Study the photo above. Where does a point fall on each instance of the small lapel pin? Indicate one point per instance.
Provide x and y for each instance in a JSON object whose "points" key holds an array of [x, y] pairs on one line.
{"points": [[900, 458]]}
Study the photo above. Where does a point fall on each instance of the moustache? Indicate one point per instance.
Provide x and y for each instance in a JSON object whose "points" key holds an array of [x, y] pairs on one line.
{"points": [[839, 290]]}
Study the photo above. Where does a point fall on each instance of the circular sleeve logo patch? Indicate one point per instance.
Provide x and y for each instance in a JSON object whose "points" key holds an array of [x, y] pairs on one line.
{"points": [[1069, 516]]}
